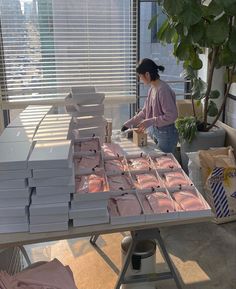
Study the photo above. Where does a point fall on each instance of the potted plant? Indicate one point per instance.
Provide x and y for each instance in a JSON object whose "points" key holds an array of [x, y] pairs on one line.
{"points": [[195, 27]]}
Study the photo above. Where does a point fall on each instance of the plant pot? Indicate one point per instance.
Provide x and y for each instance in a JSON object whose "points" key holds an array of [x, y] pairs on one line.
{"points": [[202, 141]]}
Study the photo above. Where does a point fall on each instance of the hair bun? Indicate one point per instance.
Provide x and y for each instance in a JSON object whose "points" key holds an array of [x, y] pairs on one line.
{"points": [[160, 67]]}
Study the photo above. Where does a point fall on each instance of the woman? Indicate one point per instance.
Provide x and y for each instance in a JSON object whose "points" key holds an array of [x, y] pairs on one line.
{"points": [[159, 112]]}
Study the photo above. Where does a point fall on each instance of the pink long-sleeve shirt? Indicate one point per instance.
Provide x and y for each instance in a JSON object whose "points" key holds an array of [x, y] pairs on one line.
{"points": [[161, 108]]}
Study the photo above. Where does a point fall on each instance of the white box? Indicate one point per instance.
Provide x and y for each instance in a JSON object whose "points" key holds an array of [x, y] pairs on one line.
{"points": [[13, 220], [49, 154], [83, 89], [50, 227], [46, 219], [50, 173], [16, 202], [14, 228], [57, 117], [88, 98], [87, 213], [49, 209], [14, 184], [15, 193], [88, 204], [36, 108], [90, 109], [13, 212], [90, 121], [90, 221], [17, 134], [50, 182], [14, 156], [92, 131], [57, 190], [62, 134], [50, 199], [13, 175], [24, 122]]}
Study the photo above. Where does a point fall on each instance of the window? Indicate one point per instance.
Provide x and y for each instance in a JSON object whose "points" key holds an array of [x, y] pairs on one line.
{"points": [[52, 45]]}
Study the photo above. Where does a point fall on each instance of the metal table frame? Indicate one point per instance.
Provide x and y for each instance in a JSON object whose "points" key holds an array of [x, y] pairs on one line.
{"points": [[139, 235]]}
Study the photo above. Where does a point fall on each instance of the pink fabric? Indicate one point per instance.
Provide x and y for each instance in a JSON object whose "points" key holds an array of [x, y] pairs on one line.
{"points": [[88, 162], [138, 164], [119, 182], [160, 110], [126, 205], [145, 204], [112, 150], [51, 275], [114, 165], [91, 145], [90, 184], [147, 181], [165, 162], [174, 179], [160, 202], [188, 201]]}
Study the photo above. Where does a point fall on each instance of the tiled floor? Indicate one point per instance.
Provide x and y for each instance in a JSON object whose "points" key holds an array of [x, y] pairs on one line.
{"points": [[204, 256]]}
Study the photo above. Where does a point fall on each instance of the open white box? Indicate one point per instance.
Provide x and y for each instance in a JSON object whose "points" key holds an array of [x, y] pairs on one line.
{"points": [[121, 160], [119, 190], [81, 170], [78, 143], [169, 159], [111, 151], [206, 212], [114, 219], [152, 216], [186, 180], [145, 172], [93, 196], [134, 158]]}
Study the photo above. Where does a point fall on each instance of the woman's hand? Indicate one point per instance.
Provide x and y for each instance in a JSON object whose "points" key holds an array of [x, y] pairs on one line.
{"points": [[124, 128], [145, 124]]}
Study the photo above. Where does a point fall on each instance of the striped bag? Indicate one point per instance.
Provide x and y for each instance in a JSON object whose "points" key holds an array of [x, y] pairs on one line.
{"points": [[221, 194]]}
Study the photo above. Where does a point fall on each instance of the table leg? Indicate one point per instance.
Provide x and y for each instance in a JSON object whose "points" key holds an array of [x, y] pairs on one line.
{"points": [[93, 239]]}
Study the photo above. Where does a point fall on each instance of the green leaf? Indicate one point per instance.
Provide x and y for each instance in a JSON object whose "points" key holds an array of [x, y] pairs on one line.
{"points": [[161, 31], [214, 94], [191, 14], [182, 51], [218, 30], [215, 8], [196, 62], [173, 9], [226, 57], [212, 109], [187, 128], [232, 40], [197, 32], [198, 102], [153, 22], [230, 7]]}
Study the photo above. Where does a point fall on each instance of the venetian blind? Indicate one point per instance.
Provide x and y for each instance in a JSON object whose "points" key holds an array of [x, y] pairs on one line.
{"points": [[51, 45]]}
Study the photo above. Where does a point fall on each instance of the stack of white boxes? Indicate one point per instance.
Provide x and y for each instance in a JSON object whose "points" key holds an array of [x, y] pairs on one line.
{"points": [[87, 108], [14, 190], [54, 127], [52, 182]]}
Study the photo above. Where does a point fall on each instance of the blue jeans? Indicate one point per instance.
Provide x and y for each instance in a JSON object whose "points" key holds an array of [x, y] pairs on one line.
{"points": [[165, 137]]}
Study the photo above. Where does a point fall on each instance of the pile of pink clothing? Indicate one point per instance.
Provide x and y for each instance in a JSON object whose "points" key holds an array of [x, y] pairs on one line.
{"points": [[88, 162], [147, 181], [114, 165], [90, 184], [125, 205], [175, 179], [138, 164], [51, 275], [158, 202], [188, 200], [166, 162], [119, 182], [85, 146], [112, 150]]}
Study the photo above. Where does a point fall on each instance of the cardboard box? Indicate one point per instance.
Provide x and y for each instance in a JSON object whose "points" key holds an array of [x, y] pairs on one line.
{"points": [[139, 138], [88, 204], [49, 209], [10, 202], [13, 220], [49, 199], [14, 184], [14, 228], [57, 190], [13, 212], [47, 219], [51, 173], [55, 181], [90, 221], [14, 175], [17, 134], [184, 107], [87, 213], [15, 193]]}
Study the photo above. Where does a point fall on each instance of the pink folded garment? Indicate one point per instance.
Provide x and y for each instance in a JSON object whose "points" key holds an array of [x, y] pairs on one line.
{"points": [[188, 201], [145, 204], [114, 165], [88, 162], [147, 181], [50, 275], [160, 202], [138, 164], [112, 150], [119, 183], [174, 179], [90, 184], [165, 162], [112, 207], [91, 145], [128, 205]]}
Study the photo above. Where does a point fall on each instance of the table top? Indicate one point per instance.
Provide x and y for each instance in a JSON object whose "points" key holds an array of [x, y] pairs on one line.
{"points": [[18, 239]]}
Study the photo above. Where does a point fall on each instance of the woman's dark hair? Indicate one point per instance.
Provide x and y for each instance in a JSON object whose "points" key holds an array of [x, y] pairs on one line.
{"points": [[148, 65]]}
